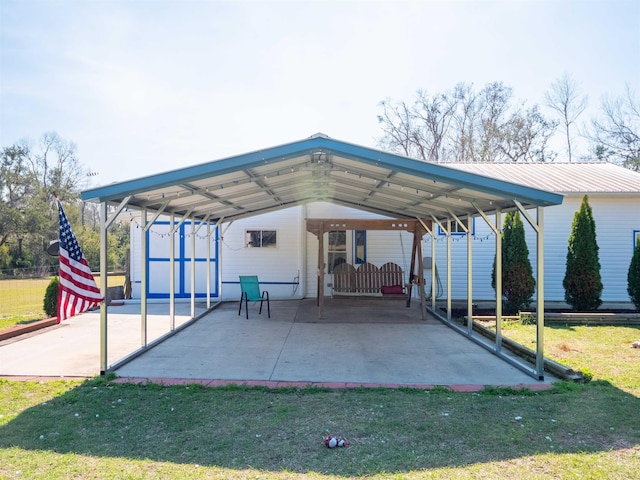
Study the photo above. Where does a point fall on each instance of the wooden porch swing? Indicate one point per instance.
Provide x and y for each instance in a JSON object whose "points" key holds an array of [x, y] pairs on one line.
{"points": [[371, 280]]}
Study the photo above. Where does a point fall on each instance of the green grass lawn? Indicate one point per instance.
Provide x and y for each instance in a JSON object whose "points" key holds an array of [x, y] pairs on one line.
{"points": [[21, 301], [97, 429], [101, 429], [604, 352]]}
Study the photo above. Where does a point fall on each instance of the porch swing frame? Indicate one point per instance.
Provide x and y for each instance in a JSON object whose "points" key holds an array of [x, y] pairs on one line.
{"points": [[320, 226]]}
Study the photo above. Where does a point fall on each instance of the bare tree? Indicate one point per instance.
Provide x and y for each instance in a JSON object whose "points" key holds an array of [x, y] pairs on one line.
{"points": [[565, 99], [493, 104], [397, 124], [463, 125], [433, 116], [526, 136], [616, 132], [463, 134], [55, 162], [417, 131]]}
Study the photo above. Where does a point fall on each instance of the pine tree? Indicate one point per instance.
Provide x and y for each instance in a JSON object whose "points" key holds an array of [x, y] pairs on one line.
{"points": [[518, 284], [582, 282], [633, 277]]}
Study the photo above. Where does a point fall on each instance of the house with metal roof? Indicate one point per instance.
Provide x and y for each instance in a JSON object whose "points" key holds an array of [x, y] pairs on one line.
{"points": [[288, 213], [614, 197]]}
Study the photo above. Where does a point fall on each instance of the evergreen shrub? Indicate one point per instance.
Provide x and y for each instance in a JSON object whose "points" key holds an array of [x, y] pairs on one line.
{"points": [[633, 277], [582, 282], [51, 298], [518, 284]]}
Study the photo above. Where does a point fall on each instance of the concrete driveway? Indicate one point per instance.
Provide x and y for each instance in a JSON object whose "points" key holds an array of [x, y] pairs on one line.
{"points": [[358, 342]]}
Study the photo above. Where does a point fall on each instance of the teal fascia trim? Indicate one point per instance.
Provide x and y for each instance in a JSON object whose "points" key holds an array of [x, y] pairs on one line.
{"points": [[197, 172], [327, 145], [441, 173]]}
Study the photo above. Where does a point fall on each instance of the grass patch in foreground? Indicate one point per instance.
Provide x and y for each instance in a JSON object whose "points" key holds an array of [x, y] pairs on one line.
{"points": [[97, 429]]}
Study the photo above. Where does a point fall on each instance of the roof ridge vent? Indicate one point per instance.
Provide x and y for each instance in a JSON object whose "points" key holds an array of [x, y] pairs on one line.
{"points": [[319, 135]]}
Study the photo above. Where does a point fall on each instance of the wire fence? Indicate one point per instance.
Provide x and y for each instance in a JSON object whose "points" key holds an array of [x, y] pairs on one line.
{"points": [[30, 272]]}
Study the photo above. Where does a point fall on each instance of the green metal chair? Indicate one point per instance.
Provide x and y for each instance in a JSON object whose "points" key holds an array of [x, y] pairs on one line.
{"points": [[250, 287]]}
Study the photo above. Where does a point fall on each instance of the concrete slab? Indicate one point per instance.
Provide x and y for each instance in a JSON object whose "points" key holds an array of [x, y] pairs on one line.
{"points": [[72, 348], [355, 343], [375, 344]]}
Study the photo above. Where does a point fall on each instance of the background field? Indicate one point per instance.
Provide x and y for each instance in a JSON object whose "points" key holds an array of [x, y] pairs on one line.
{"points": [[21, 300]]}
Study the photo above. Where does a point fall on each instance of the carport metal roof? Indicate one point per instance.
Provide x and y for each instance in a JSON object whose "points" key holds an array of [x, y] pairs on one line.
{"points": [[316, 169]]}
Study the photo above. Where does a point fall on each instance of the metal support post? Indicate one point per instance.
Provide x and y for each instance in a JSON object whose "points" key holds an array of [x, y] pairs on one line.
{"points": [[469, 275], [145, 277], [103, 288]]}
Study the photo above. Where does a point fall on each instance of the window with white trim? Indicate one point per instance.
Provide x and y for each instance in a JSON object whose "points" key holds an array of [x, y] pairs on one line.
{"points": [[456, 228], [261, 238]]}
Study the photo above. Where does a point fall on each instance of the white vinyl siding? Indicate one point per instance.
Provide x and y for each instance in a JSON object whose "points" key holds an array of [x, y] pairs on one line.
{"points": [[277, 267], [615, 222], [296, 256]]}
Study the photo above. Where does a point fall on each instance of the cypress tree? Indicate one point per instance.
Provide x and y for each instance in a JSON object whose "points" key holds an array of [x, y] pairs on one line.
{"points": [[582, 282], [633, 277], [518, 284]]}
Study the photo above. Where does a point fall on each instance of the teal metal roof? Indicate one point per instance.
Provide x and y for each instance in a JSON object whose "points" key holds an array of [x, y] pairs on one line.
{"points": [[316, 169]]}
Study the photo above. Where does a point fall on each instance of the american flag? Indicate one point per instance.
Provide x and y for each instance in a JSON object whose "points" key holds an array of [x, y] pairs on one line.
{"points": [[78, 291]]}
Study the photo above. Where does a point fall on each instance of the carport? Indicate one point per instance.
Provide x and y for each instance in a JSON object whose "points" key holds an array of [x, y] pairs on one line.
{"points": [[322, 169]]}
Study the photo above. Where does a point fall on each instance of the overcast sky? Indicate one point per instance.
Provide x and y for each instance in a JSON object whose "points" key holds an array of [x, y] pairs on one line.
{"points": [[143, 87]]}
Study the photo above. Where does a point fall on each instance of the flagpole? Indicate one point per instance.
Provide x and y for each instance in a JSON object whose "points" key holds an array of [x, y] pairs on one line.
{"points": [[56, 201]]}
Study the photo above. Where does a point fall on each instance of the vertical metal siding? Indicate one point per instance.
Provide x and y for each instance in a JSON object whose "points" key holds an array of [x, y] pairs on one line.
{"points": [[615, 223]]}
